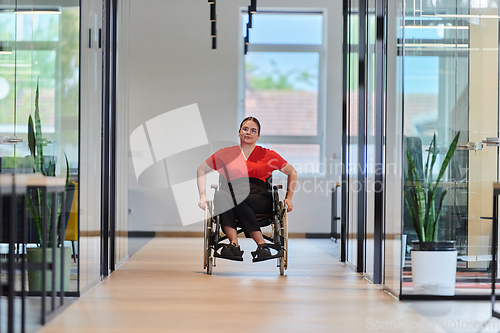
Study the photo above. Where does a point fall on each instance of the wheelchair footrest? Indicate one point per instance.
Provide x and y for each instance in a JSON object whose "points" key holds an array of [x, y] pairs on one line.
{"points": [[276, 256], [222, 255], [235, 258], [257, 255]]}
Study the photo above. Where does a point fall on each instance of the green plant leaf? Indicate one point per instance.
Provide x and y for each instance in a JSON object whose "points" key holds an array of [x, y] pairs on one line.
{"points": [[433, 152], [419, 200], [448, 157], [31, 142], [31, 136], [414, 215], [426, 170], [438, 213], [38, 133]]}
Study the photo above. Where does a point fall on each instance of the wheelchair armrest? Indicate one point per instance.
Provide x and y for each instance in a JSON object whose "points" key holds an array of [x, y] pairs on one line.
{"points": [[214, 187], [277, 187]]}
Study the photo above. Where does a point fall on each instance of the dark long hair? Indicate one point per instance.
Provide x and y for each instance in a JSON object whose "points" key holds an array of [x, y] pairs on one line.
{"points": [[255, 120]]}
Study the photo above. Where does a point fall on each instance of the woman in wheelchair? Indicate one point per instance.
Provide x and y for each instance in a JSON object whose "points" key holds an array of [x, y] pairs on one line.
{"points": [[245, 168]]}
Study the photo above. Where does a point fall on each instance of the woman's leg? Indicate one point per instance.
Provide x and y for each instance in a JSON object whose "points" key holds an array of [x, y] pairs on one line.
{"points": [[231, 234], [224, 208], [245, 213], [257, 237]]}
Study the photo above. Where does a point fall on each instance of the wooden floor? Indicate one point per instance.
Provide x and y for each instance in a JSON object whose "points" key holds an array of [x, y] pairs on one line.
{"points": [[163, 288]]}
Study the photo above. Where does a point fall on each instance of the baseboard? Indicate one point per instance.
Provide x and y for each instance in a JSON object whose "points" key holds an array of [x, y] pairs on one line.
{"points": [[145, 234], [151, 234], [319, 235]]}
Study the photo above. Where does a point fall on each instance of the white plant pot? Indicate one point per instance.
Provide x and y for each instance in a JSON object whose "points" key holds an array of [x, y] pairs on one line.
{"points": [[434, 272]]}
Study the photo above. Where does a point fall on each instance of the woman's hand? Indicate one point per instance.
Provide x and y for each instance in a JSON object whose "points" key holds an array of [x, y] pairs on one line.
{"points": [[201, 181], [290, 186], [203, 202], [288, 203]]}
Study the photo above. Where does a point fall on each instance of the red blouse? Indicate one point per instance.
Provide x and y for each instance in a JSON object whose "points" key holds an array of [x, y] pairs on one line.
{"points": [[260, 164]]}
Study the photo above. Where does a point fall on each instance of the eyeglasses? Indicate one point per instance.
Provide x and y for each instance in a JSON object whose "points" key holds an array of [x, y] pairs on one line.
{"points": [[246, 129]]}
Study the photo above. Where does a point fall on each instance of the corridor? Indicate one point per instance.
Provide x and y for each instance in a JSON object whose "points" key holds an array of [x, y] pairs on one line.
{"points": [[162, 288]]}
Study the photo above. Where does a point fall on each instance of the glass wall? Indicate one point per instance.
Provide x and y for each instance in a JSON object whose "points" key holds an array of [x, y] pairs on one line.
{"points": [[352, 135], [392, 253], [450, 87], [39, 80], [361, 132], [442, 80], [39, 134], [370, 140], [90, 145]]}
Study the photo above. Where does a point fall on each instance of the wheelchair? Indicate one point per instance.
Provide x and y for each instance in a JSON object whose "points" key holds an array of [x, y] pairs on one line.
{"points": [[278, 238]]}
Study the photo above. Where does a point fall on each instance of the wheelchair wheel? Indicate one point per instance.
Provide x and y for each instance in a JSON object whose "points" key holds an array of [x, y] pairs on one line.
{"points": [[282, 265], [208, 224], [284, 233], [210, 265]]}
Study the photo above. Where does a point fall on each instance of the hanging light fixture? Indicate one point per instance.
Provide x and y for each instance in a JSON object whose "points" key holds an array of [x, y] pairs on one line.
{"points": [[213, 14], [249, 24], [214, 29], [247, 40], [213, 23], [253, 6], [252, 9]]}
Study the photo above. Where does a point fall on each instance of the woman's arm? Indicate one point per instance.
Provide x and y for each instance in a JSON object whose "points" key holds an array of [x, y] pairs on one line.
{"points": [[290, 185], [202, 183]]}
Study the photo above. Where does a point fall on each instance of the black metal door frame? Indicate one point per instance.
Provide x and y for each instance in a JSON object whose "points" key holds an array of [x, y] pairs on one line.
{"points": [[108, 148], [361, 163], [380, 118], [345, 95], [380, 128]]}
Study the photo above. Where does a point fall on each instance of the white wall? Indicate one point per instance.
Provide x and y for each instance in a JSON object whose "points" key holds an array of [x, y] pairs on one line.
{"points": [[172, 65]]}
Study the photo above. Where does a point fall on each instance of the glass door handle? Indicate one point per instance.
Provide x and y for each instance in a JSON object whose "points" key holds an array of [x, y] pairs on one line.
{"points": [[495, 142], [489, 142], [9, 140], [470, 146]]}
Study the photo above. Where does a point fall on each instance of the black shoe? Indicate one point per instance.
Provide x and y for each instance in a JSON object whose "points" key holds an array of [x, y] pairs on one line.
{"points": [[232, 252], [262, 253]]}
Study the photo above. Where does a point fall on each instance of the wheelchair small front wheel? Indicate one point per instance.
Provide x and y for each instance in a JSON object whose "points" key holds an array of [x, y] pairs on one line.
{"points": [[282, 265], [210, 264]]}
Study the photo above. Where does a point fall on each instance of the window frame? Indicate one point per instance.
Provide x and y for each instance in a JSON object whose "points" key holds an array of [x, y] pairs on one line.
{"points": [[321, 50]]}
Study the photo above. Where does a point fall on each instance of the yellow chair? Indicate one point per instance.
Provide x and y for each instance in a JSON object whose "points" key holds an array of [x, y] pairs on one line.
{"points": [[72, 225]]}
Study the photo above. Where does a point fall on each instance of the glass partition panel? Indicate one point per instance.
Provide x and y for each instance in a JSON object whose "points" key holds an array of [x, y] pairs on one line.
{"points": [[370, 140], [451, 87], [352, 136], [90, 118], [393, 182], [39, 128]]}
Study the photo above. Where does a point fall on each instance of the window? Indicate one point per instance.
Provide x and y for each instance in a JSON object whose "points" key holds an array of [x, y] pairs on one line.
{"points": [[282, 85]]}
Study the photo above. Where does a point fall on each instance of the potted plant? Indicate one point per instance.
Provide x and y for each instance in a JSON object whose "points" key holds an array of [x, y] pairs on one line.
{"points": [[36, 207], [433, 262]]}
